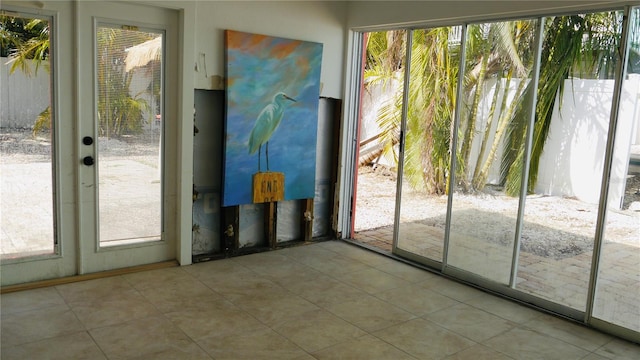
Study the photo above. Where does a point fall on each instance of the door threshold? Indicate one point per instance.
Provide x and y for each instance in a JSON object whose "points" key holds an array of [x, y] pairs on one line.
{"points": [[84, 277]]}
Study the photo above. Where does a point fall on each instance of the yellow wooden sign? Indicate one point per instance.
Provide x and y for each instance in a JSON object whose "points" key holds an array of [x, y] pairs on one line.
{"points": [[268, 187]]}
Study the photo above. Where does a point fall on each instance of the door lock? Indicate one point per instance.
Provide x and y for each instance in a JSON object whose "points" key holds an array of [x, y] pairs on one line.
{"points": [[87, 140], [88, 160]]}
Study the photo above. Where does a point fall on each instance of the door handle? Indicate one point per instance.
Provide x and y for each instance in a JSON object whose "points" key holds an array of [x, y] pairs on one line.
{"points": [[88, 160]]}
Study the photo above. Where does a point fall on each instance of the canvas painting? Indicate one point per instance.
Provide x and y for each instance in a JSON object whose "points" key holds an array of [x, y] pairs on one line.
{"points": [[272, 94]]}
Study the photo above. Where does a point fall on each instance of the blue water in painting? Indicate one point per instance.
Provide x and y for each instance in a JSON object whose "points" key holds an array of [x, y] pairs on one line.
{"points": [[292, 147]]}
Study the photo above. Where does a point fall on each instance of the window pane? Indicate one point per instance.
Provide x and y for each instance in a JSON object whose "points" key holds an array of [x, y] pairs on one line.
{"points": [[573, 109], [499, 59], [435, 61], [618, 287], [130, 119], [26, 141], [379, 136]]}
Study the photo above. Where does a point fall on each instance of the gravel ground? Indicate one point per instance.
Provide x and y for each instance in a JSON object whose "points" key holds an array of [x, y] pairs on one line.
{"points": [[554, 226], [19, 146]]}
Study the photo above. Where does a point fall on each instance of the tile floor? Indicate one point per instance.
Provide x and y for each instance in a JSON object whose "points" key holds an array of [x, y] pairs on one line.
{"points": [[328, 300], [564, 281]]}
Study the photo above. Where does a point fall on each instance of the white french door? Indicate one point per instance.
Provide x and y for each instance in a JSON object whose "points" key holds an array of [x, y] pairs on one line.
{"points": [[101, 192], [127, 121], [37, 167]]}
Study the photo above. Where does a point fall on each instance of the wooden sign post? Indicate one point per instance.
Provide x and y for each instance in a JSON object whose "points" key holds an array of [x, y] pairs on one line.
{"points": [[268, 187]]}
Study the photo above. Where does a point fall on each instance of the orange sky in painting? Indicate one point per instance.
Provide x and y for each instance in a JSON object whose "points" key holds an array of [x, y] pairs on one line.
{"points": [[281, 51], [246, 42], [257, 42]]}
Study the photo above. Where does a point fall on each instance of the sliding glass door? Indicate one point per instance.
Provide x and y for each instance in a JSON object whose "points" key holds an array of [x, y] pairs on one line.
{"points": [[499, 59], [519, 160], [617, 288], [435, 55]]}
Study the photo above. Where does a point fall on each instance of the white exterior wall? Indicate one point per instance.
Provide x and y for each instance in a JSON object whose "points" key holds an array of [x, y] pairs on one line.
{"points": [[573, 157], [22, 98]]}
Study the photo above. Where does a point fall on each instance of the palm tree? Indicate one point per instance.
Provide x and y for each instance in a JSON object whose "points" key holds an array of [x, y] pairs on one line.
{"points": [[503, 53], [119, 113], [574, 46], [26, 43]]}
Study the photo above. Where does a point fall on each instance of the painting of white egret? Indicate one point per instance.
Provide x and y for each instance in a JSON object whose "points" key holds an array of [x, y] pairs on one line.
{"points": [[272, 94]]}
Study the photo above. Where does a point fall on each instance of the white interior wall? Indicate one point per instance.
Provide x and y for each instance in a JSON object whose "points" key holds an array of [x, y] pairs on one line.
{"points": [[317, 21]]}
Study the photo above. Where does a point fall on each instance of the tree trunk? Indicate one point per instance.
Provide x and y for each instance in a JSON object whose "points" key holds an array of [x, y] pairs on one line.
{"points": [[500, 131], [487, 131], [470, 131]]}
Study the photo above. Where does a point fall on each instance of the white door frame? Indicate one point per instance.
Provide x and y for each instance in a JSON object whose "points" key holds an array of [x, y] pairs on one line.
{"points": [[65, 62]]}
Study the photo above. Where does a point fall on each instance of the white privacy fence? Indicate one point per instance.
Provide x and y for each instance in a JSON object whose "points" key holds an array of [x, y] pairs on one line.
{"points": [[573, 158], [22, 98], [572, 162]]}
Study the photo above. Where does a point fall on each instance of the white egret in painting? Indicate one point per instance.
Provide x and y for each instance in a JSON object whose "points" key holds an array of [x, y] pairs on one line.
{"points": [[267, 122]]}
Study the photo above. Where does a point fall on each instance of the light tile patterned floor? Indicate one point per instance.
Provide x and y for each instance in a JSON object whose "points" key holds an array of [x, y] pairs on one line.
{"points": [[564, 281], [327, 300]]}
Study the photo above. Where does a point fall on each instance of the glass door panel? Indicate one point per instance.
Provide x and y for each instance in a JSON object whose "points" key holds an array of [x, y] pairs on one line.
{"points": [[127, 104], [37, 140], [499, 60], [618, 283], [379, 133], [27, 197], [576, 92], [129, 81], [432, 88]]}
